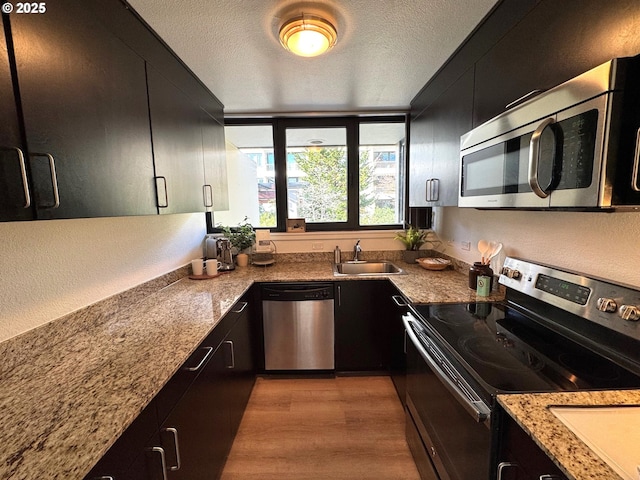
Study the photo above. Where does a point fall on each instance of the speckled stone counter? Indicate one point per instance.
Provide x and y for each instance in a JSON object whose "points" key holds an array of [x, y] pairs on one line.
{"points": [[573, 457], [70, 388]]}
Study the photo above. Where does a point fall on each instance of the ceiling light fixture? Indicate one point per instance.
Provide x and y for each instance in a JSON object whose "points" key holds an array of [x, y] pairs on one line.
{"points": [[308, 35]]}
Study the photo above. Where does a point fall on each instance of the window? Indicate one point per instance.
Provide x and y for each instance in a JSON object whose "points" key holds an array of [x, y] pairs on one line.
{"points": [[336, 173]]}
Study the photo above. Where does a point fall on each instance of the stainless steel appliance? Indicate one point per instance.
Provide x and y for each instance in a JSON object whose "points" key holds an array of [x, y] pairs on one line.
{"points": [[224, 255], [298, 326], [574, 146], [556, 331]]}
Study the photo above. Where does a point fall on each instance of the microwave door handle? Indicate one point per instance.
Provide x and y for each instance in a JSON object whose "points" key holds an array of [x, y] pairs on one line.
{"points": [[636, 165], [534, 158]]}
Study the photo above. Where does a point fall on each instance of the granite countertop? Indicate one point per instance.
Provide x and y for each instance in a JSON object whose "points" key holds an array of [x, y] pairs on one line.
{"points": [[70, 388], [575, 458]]}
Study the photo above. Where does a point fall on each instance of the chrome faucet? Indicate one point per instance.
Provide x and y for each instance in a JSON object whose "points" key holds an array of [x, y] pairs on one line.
{"points": [[356, 250]]}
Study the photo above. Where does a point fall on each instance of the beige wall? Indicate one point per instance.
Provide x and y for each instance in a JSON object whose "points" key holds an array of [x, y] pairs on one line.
{"points": [[51, 268], [602, 244]]}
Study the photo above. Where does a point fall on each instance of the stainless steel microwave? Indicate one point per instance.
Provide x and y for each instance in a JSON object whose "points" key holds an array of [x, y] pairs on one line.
{"points": [[576, 145]]}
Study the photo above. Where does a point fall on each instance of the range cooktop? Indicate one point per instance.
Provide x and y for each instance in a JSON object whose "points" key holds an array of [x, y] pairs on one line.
{"points": [[506, 351]]}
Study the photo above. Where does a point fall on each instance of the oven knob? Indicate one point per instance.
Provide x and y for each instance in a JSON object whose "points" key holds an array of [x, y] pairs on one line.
{"points": [[607, 305], [511, 273], [630, 312]]}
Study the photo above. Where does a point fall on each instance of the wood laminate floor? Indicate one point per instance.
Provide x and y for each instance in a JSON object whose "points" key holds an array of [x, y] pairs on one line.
{"points": [[324, 428]]}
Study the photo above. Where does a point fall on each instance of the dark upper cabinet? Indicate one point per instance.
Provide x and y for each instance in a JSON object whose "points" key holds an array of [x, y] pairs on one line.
{"points": [[15, 194], [176, 128], [215, 164], [435, 145], [420, 158], [84, 104], [553, 43]]}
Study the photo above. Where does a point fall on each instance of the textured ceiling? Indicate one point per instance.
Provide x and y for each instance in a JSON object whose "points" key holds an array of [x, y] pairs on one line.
{"points": [[386, 51]]}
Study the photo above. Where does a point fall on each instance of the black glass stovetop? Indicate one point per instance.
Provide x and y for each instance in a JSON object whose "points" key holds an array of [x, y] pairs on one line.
{"points": [[507, 351]]}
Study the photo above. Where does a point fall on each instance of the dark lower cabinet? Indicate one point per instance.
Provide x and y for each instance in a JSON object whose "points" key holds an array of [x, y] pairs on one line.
{"points": [[519, 458], [361, 341], [187, 430], [395, 307]]}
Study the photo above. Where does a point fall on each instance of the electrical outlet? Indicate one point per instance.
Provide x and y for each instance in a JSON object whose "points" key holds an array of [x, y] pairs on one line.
{"points": [[465, 246], [317, 247]]}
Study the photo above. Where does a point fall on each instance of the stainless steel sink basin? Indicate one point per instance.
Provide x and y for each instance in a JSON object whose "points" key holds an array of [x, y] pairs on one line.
{"points": [[366, 268]]}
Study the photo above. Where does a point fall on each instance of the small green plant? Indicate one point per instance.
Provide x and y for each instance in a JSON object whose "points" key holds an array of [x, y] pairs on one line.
{"points": [[241, 236], [412, 238]]}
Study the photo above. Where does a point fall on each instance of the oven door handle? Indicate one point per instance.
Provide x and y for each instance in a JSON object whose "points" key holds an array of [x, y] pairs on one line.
{"points": [[476, 407]]}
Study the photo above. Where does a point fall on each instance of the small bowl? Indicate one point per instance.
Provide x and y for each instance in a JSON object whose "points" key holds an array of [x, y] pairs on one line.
{"points": [[433, 263]]}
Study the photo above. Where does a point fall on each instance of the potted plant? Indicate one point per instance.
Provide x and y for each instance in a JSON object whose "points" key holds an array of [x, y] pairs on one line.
{"points": [[241, 237], [412, 238]]}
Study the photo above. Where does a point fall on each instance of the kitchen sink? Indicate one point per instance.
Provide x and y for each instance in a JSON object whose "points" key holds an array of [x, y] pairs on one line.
{"points": [[366, 268]]}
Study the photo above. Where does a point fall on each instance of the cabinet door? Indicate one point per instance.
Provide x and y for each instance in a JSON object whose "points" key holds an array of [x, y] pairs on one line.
{"points": [[177, 146], [519, 458], [15, 200], [554, 42], [435, 146], [84, 102], [130, 457], [452, 114], [215, 164], [197, 433], [240, 372], [396, 306], [360, 337], [420, 158], [207, 417]]}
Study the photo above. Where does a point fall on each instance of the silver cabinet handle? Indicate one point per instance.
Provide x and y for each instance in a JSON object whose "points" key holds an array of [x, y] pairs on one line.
{"points": [[233, 354], [548, 476], [23, 174], [163, 461], [176, 446], [54, 177], [636, 165], [534, 157], [208, 199], [158, 190], [433, 190], [339, 296], [209, 351], [502, 466], [239, 310], [399, 301], [104, 477]]}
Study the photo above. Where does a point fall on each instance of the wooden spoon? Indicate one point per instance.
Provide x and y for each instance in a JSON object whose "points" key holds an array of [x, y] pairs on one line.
{"points": [[483, 248]]}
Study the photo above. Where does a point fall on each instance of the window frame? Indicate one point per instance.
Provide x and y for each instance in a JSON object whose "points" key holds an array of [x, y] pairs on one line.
{"points": [[352, 126]]}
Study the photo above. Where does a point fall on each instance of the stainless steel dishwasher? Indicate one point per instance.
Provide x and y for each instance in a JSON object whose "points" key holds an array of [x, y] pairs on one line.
{"points": [[298, 326]]}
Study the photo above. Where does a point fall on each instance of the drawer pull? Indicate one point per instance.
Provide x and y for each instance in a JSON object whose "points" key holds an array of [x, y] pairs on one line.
{"points": [[209, 351]]}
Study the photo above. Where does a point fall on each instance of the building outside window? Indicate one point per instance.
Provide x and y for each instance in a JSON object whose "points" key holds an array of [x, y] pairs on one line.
{"points": [[345, 174]]}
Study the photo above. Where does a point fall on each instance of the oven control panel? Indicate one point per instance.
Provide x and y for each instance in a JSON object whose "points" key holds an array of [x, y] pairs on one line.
{"points": [[612, 305]]}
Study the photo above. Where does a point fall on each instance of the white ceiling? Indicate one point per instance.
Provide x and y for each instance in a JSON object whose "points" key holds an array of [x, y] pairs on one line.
{"points": [[386, 51]]}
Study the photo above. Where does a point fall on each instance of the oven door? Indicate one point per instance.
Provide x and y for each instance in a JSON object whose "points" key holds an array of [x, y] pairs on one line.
{"points": [[451, 419]]}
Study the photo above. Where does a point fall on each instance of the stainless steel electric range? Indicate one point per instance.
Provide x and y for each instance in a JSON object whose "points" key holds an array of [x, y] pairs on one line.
{"points": [[557, 330]]}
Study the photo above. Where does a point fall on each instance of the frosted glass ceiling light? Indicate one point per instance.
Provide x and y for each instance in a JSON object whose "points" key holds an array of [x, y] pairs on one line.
{"points": [[308, 35]]}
